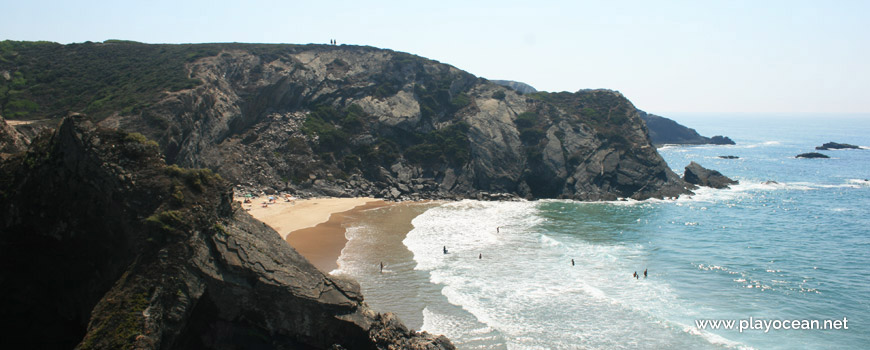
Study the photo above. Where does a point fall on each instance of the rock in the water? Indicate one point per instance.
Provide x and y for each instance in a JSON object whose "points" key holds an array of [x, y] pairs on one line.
{"points": [[722, 140], [698, 175], [729, 157], [834, 145], [811, 155]]}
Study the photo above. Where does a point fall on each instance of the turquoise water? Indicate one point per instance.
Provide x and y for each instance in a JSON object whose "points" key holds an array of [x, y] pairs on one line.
{"points": [[790, 242]]}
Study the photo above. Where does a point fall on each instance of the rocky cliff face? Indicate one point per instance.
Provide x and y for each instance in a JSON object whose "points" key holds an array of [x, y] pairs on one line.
{"points": [[11, 141], [666, 131], [347, 121], [104, 246]]}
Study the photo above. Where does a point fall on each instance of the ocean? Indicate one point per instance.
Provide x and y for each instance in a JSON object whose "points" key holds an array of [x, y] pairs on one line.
{"points": [[790, 242]]}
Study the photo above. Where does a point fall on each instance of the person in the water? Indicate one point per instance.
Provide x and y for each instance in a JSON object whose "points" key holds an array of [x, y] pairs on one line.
{"points": [[644, 273], [445, 249], [572, 262], [634, 275]]}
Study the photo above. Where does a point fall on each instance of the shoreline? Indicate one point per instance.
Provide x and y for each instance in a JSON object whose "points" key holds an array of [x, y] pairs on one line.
{"points": [[322, 244], [314, 227]]}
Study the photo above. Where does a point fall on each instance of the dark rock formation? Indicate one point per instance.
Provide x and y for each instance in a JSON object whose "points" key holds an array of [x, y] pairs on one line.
{"points": [[666, 131], [729, 157], [103, 246], [834, 145], [722, 140], [811, 155], [698, 175], [517, 86]]}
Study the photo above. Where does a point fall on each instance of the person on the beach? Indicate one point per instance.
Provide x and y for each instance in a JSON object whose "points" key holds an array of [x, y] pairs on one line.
{"points": [[445, 249], [572, 262], [497, 229], [644, 273], [480, 256], [382, 267]]}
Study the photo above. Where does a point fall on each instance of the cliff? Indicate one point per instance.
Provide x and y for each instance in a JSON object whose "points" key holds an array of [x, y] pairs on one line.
{"points": [[104, 246], [347, 120], [666, 131]]}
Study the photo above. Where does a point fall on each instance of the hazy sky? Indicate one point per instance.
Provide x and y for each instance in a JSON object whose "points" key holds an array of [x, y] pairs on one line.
{"points": [[665, 56]]}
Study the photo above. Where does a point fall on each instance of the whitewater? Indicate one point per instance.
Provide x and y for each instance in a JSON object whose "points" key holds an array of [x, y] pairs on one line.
{"points": [[790, 242]]}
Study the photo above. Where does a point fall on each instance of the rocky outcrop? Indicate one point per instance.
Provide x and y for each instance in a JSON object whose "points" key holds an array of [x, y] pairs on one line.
{"points": [[834, 145], [360, 121], [103, 246], [11, 141], [666, 131], [811, 155], [722, 140], [698, 175], [517, 86]]}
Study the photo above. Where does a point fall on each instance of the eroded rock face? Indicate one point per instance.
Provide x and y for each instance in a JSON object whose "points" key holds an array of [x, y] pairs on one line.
{"points": [[698, 175], [11, 141], [107, 247], [339, 121], [353, 121]]}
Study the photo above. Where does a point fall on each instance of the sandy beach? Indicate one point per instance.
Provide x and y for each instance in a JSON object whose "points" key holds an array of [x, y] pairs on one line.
{"points": [[314, 227]]}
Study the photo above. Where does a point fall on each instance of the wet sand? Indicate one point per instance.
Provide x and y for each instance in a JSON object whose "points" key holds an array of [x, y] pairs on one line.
{"points": [[322, 244], [314, 227]]}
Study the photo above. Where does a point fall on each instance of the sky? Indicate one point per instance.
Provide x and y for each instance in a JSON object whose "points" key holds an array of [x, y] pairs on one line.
{"points": [[665, 56]]}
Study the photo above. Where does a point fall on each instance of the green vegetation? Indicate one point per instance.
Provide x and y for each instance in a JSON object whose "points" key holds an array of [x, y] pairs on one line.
{"points": [[120, 329], [97, 78], [196, 178], [169, 221], [48, 79], [139, 138], [449, 145], [498, 95]]}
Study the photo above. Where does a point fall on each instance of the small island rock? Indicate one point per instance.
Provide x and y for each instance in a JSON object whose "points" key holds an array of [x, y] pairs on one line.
{"points": [[811, 155], [834, 145], [698, 175]]}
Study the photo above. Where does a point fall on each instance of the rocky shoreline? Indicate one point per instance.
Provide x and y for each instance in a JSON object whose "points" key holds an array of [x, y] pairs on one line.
{"points": [[108, 247]]}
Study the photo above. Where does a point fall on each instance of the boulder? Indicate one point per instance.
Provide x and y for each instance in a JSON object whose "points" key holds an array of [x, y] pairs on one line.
{"points": [[698, 175], [811, 155]]}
